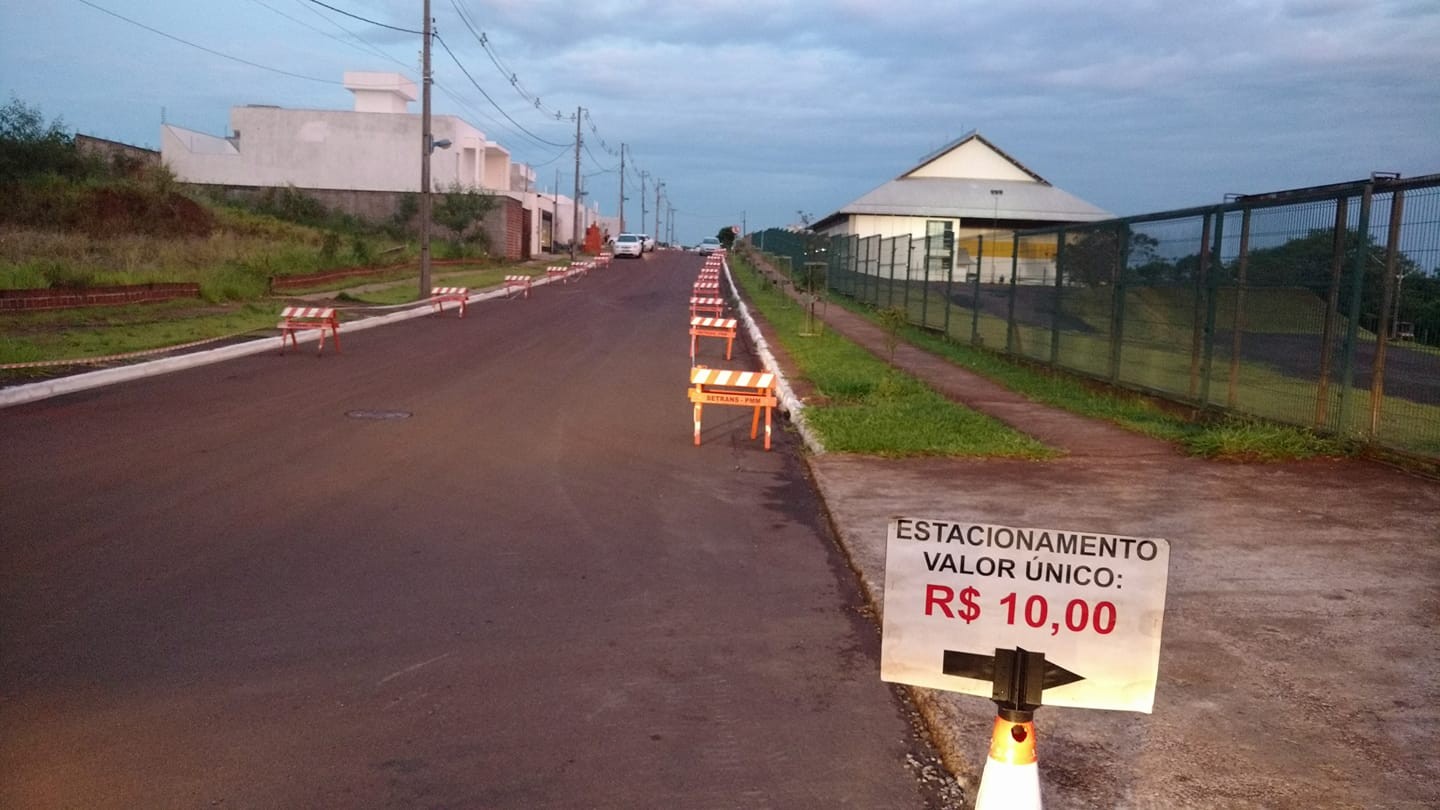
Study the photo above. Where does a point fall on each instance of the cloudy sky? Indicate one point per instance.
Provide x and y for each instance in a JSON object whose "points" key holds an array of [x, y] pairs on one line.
{"points": [[770, 108]]}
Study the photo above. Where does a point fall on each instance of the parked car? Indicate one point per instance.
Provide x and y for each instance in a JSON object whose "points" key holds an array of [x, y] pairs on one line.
{"points": [[649, 242], [629, 244], [709, 244]]}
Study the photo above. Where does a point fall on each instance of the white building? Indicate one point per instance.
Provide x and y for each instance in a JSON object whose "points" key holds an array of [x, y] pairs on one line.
{"points": [[963, 191], [376, 147]]}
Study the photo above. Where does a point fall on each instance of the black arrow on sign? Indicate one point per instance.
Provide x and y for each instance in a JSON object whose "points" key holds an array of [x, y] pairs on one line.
{"points": [[1019, 676]]}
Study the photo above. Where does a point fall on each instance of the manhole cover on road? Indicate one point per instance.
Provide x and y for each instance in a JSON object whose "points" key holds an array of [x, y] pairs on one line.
{"points": [[378, 414]]}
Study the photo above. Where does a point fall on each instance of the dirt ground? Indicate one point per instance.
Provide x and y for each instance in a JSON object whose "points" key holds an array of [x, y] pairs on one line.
{"points": [[1300, 641]]}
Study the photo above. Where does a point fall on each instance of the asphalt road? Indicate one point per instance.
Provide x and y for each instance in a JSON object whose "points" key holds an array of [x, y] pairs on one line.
{"points": [[219, 589]]}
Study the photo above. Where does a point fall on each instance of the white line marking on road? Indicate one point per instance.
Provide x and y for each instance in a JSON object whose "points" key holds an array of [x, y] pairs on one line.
{"points": [[414, 667]]}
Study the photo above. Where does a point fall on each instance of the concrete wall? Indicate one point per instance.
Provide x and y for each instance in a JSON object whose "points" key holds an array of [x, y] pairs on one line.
{"points": [[110, 151], [333, 149], [502, 225]]}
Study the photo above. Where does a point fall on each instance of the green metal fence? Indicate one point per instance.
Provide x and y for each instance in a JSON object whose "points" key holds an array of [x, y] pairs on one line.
{"points": [[1267, 305]]}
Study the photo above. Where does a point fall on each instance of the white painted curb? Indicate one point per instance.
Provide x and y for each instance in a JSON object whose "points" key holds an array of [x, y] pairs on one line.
{"points": [[790, 403]]}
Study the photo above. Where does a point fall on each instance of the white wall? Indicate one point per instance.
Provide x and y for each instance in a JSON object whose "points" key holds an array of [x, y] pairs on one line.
{"points": [[330, 149], [972, 159]]}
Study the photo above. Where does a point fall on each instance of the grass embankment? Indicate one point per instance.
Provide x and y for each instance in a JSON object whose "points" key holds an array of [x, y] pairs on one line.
{"points": [[869, 407], [230, 252], [1230, 439]]}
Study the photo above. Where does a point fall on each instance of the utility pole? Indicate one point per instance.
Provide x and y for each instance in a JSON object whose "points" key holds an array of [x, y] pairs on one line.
{"points": [[575, 204], [555, 211], [425, 144], [670, 222], [622, 189], [658, 186], [643, 175]]}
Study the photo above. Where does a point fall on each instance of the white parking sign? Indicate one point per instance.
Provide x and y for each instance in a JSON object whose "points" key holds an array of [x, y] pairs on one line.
{"points": [[956, 592]]}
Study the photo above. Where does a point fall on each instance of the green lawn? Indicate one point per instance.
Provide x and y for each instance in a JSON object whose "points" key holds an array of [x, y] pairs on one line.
{"points": [[872, 408]]}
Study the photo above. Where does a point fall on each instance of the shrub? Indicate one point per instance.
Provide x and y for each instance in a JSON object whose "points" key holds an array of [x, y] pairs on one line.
{"points": [[329, 247], [362, 252]]}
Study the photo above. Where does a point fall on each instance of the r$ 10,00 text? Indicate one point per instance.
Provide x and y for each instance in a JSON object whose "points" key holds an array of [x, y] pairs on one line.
{"points": [[1079, 615]]}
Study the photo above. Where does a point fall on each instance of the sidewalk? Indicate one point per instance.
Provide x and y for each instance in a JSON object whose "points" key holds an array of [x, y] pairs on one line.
{"points": [[1300, 642]]}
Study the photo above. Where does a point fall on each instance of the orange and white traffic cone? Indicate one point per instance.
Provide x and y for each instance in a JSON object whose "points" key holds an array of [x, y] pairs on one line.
{"points": [[1011, 779]]}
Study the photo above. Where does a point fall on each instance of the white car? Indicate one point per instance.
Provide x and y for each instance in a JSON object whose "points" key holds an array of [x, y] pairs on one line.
{"points": [[648, 241], [629, 244], [709, 244]]}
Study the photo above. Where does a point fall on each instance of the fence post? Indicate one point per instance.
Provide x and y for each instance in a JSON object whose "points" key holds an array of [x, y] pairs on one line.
{"points": [[1196, 323], [975, 293], [949, 281], [1385, 328], [1010, 311], [925, 288], [1332, 312], [1237, 324], [1357, 287], [1117, 303], [909, 262], [1212, 292], [1059, 287], [890, 289]]}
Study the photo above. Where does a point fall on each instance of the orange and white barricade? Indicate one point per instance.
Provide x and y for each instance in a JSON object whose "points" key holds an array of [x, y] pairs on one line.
{"points": [[703, 290], [746, 389], [559, 271], [713, 306], [513, 283], [300, 319], [580, 268], [439, 295], [603, 260], [712, 327]]}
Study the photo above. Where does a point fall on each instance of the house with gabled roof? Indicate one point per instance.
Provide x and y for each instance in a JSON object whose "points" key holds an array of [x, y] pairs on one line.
{"points": [[969, 197]]}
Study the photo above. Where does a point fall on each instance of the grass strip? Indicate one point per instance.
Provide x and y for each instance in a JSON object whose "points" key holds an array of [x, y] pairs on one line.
{"points": [[1231, 438], [869, 407]]}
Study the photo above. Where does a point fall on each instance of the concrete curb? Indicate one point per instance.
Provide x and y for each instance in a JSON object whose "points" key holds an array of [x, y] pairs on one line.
{"points": [[790, 403], [34, 392]]}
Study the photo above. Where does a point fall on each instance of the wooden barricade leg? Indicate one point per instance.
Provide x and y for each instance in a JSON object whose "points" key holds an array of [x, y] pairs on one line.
{"points": [[729, 341], [697, 424], [755, 425], [767, 427], [334, 330]]}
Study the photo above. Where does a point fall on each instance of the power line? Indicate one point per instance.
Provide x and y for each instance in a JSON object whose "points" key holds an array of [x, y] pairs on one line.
{"points": [[483, 39], [210, 51], [461, 65], [359, 42], [509, 75], [367, 19]]}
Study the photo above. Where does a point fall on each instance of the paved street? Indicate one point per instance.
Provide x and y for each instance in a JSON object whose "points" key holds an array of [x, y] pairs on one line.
{"points": [[219, 589]]}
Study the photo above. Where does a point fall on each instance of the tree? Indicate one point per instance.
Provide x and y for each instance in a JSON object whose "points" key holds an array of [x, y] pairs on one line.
{"points": [[726, 235], [460, 209], [1306, 262], [29, 147]]}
